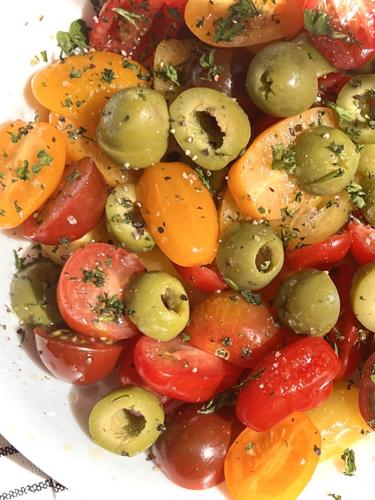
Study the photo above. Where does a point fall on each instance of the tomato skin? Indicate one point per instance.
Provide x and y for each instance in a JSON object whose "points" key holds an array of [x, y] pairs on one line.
{"points": [[181, 371], [367, 392], [319, 255], [202, 277], [192, 449], [73, 210], [363, 242], [80, 363], [78, 298], [231, 328], [292, 379]]}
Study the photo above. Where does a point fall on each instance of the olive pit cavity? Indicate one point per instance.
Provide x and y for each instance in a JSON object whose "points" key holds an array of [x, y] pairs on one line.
{"points": [[209, 125]]}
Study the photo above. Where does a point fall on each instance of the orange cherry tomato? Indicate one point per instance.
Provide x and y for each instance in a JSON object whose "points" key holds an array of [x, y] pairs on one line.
{"points": [[179, 213], [261, 191], [32, 160], [277, 463], [79, 86], [217, 24]]}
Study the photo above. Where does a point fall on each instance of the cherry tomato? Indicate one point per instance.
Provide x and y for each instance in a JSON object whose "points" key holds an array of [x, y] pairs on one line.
{"points": [[319, 255], [231, 328], [204, 278], [330, 86], [75, 358], [91, 291], [367, 392], [263, 122], [363, 242], [296, 378], [277, 463], [344, 32], [181, 371], [32, 162], [74, 209], [192, 449]]}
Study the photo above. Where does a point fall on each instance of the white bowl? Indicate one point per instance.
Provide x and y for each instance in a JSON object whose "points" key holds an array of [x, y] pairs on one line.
{"points": [[44, 418]]}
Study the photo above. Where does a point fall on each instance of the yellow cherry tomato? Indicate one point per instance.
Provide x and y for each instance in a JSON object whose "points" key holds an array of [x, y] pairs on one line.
{"points": [[339, 420], [79, 86], [276, 464], [32, 160], [179, 213]]}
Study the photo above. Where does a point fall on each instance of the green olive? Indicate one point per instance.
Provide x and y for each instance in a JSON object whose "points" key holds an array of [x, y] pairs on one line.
{"points": [[209, 126], [282, 79], [356, 109], [250, 255], [127, 421], [322, 66], [366, 177], [134, 127], [158, 305], [308, 302], [125, 221], [33, 294], [326, 160], [363, 296]]}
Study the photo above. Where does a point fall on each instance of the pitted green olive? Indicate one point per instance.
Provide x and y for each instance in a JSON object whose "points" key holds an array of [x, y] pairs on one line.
{"points": [[366, 177], [134, 128]]}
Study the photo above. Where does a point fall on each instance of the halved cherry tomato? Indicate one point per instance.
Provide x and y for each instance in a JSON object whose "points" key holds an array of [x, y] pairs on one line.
{"points": [[296, 378], [233, 329], [91, 291], [218, 24], [75, 358], [181, 371], [80, 86], [363, 242], [367, 392], [277, 463], [179, 213], [320, 255], [344, 31], [204, 278], [74, 209], [32, 160], [330, 86]]}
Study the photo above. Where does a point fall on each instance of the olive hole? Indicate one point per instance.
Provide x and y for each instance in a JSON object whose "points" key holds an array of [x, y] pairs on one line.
{"points": [[266, 87], [263, 259], [210, 127], [127, 424], [170, 300]]}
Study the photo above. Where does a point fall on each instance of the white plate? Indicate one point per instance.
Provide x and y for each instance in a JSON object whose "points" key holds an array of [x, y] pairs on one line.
{"points": [[47, 419]]}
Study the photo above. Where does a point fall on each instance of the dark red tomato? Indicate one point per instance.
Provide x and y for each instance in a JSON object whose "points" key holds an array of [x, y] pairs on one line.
{"points": [[75, 358], [74, 209], [204, 278], [330, 86], [263, 122], [319, 255], [363, 242], [342, 276], [367, 392], [344, 32], [91, 291], [230, 327], [292, 379], [192, 449], [181, 371]]}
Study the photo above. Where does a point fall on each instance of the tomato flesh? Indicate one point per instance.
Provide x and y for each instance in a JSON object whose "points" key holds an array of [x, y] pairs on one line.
{"points": [[367, 392], [202, 277], [363, 242]]}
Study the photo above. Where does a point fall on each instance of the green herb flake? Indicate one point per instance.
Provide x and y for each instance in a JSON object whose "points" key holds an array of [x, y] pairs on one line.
{"points": [[251, 297], [337, 149], [23, 172], [357, 194], [168, 72], [76, 174], [130, 17], [44, 56], [206, 59], [75, 40], [283, 158], [334, 496], [75, 72], [108, 75], [95, 276], [249, 448], [227, 28], [19, 262], [109, 309], [348, 457]]}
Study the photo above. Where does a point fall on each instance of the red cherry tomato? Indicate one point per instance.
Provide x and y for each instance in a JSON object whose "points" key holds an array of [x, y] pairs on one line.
{"points": [[344, 32], [75, 358], [263, 122], [363, 242], [367, 391], [231, 328], [319, 255], [91, 291], [74, 209], [292, 379], [181, 371], [204, 278], [330, 86]]}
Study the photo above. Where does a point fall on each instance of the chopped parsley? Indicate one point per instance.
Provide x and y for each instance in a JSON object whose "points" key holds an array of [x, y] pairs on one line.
{"points": [[108, 75], [357, 195], [319, 23], [75, 40], [23, 172], [19, 262], [251, 297], [44, 56], [95, 276], [109, 309], [204, 177], [75, 72], [22, 131], [227, 28], [283, 158], [168, 72], [206, 59], [349, 462], [337, 149], [131, 17]]}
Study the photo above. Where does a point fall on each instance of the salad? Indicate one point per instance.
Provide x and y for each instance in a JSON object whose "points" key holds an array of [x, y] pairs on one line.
{"points": [[201, 211]]}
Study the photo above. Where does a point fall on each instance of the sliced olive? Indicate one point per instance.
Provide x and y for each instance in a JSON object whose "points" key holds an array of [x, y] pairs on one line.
{"points": [[127, 421], [363, 296], [33, 294], [366, 177], [125, 221]]}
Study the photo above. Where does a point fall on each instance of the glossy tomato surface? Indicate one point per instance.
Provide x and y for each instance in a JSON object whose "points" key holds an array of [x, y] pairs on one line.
{"points": [[73, 210], [363, 242], [181, 371], [203, 278], [296, 378], [92, 288], [367, 391], [74, 358]]}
